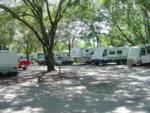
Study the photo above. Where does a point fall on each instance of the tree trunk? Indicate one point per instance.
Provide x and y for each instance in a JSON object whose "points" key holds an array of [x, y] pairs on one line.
{"points": [[50, 61], [50, 56], [28, 57], [69, 47], [48, 53]]}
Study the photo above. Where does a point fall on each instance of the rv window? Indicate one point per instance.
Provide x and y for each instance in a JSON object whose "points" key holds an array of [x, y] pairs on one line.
{"points": [[119, 52], [143, 51], [111, 52]]}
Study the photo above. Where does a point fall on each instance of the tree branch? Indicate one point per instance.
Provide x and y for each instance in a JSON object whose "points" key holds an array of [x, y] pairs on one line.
{"points": [[48, 12], [16, 16]]}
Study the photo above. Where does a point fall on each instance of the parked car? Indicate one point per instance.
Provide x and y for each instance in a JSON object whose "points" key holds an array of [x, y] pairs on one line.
{"points": [[63, 61], [23, 63]]}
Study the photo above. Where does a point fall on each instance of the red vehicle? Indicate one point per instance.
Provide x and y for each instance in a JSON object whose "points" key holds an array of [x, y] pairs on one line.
{"points": [[23, 63]]}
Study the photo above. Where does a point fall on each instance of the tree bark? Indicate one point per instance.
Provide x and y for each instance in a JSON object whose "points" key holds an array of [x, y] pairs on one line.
{"points": [[69, 47], [50, 61]]}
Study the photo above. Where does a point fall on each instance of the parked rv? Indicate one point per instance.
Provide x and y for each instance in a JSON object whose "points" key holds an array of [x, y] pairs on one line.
{"points": [[81, 55], [105, 55], [138, 55], [8, 62]]}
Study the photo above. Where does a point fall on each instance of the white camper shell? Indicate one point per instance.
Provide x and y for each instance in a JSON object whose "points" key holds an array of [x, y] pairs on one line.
{"points": [[8, 62], [138, 55], [81, 55], [110, 54]]}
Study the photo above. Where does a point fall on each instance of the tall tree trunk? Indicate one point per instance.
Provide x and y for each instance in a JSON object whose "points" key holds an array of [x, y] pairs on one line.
{"points": [[69, 47], [50, 61], [50, 56]]}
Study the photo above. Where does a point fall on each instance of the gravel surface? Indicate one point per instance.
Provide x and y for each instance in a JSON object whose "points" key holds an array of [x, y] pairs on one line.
{"points": [[79, 89]]}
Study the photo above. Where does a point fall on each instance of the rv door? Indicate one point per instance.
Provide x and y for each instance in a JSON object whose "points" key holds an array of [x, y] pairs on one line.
{"points": [[105, 54], [145, 58]]}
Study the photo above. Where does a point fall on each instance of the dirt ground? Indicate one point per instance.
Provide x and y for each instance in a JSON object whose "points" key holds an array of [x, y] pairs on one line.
{"points": [[84, 89]]}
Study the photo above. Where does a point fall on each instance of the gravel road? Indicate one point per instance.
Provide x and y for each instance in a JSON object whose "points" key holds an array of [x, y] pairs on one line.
{"points": [[94, 89]]}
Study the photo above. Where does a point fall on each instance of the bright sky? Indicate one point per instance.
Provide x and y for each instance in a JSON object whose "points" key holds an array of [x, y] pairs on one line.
{"points": [[9, 1], [53, 1]]}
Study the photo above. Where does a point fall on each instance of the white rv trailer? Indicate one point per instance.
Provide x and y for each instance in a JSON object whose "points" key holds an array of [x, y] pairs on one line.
{"points": [[138, 55], [76, 52], [81, 55], [105, 55], [8, 62], [87, 52]]}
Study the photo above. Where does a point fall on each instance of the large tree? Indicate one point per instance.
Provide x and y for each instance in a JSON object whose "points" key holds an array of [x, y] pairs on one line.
{"points": [[37, 11]]}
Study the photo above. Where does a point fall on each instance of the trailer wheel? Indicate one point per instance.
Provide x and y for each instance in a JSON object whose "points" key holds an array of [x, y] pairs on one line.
{"points": [[39, 64], [118, 63], [97, 63], [133, 64], [104, 63]]}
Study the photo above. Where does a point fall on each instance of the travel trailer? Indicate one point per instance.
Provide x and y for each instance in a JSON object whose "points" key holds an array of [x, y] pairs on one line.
{"points": [[138, 55], [76, 52], [81, 55], [8, 62], [88, 52], [105, 55]]}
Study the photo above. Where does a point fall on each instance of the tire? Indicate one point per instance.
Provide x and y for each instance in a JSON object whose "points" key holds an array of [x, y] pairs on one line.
{"points": [[24, 68], [133, 64], [14, 73], [104, 63], [96, 64], [118, 63], [39, 64]]}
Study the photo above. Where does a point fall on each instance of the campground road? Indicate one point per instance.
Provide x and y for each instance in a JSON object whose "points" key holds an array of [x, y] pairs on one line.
{"points": [[95, 89]]}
